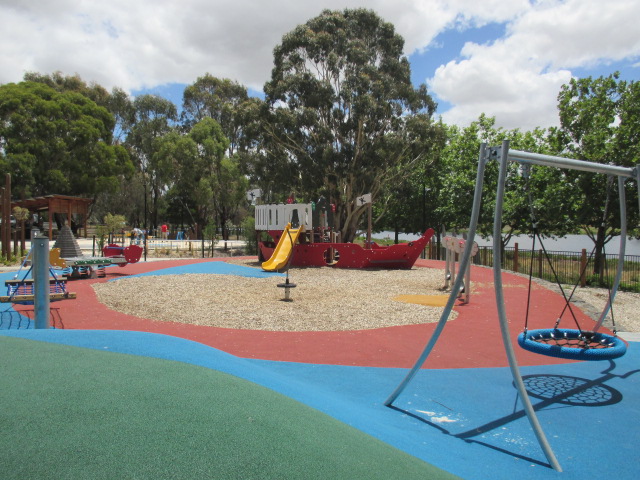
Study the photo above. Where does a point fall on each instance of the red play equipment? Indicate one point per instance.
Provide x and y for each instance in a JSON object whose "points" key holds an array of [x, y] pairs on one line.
{"points": [[300, 235]]}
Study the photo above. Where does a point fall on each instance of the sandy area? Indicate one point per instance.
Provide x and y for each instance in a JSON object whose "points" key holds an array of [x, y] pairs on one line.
{"points": [[324, 299]]}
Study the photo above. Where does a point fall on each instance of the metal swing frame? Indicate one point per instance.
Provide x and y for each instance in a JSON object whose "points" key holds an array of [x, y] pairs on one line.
{"points": [[504, 156]]}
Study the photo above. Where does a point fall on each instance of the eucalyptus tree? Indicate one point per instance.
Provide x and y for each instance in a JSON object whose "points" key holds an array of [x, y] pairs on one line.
{"points": [[117, 102], [343, 117], [409, 206], [152, 118], [223, 100], [58, 142], [71, 83], [208, 183], [127, 196]]}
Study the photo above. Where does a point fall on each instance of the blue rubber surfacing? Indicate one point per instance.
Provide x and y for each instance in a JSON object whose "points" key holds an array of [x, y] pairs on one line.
{"points": [[466, 421], [438, 408], [216, 267]]}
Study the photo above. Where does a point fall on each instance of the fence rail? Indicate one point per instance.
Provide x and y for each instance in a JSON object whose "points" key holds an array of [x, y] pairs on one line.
{"points": [[569, 267]]}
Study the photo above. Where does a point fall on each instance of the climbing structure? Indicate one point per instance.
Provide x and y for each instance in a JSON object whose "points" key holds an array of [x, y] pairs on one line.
{"points": [[317, 244]]}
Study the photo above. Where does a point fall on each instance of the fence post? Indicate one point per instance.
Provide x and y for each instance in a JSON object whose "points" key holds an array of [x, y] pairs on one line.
{"points": [[583, 268], [515, 258], [540, 263]]}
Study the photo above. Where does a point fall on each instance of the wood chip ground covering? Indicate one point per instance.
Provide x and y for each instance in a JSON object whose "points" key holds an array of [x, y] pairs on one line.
{"points": [[324, 299]]}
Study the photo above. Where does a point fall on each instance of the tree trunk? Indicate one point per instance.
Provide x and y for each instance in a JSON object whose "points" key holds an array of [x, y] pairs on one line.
{"points": [[598, 258]]}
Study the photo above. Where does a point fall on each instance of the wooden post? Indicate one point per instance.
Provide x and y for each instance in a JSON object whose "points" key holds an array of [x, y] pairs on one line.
{"points": [[583, 268], [3, 226], [52, 215], [69, 213], [6, 207], [515, 258]]}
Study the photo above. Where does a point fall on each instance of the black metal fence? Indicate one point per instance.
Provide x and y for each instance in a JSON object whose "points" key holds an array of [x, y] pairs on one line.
{"points": [[564, 267]]}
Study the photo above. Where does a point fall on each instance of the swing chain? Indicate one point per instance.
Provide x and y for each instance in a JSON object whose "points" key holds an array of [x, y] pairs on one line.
{"points": [[526, 173]]}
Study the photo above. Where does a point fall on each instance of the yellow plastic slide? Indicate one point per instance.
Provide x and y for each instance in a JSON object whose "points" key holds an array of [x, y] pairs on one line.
{"points": [[283, 250]]}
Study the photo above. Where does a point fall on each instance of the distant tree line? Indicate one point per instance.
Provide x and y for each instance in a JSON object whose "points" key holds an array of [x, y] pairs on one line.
{"points": [[340, 118]]}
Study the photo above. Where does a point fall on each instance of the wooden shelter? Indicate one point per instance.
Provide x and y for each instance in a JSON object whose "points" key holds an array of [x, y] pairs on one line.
{"points": [[62, 204]]}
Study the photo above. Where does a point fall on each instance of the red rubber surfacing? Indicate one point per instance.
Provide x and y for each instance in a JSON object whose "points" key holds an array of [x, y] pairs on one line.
{"points": [[472, 340]]}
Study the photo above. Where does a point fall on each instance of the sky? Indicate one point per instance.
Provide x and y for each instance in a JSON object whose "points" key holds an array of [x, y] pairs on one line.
{"points": [[504, 58]]}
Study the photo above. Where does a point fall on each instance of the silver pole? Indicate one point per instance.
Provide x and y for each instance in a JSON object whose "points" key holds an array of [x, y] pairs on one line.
{"points": [[40, 249], [561, 162], [621, 252], [475, 213], [502, 315]]}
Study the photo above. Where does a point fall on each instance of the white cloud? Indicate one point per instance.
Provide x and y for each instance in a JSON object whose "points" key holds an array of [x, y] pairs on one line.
{"points": [[146, 43], [517, 78]]}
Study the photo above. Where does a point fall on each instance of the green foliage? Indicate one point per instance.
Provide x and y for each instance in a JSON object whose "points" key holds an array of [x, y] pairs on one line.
{"points": [[20, 214], [206, 181], [601, 119], [114, 223], [210, 234], [151, 119], [250, 236], [102, 233], [456, 178], [343, 118], [57, 142], [222, 100]]}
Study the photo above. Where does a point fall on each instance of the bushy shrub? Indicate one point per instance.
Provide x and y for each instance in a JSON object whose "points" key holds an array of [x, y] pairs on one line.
{"points": [[249, 234]]}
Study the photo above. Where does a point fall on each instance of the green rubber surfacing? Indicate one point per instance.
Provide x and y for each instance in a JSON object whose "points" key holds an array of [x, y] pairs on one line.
{"points": [[70, 413]]}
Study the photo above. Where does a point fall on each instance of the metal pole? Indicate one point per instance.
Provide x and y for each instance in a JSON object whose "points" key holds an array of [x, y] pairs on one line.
{"points": [[475, 212], [561, 162], [40, 251], [621, 252], [146, 228], [502, 315]]}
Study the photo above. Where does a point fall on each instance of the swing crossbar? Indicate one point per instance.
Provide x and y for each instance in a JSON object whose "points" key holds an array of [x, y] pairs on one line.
{"points": [[570, 163], [572, 344]]}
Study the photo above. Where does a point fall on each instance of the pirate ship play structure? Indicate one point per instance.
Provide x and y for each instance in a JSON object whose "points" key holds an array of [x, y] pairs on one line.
{"points": [[301, 236]]}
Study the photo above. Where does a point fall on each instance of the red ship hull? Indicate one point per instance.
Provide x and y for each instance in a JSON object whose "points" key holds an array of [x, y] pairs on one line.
{"points": [[351, 255]]}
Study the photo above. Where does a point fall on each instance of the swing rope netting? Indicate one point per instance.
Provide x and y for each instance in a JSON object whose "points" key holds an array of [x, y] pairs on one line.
{"points": [[574, 344]]}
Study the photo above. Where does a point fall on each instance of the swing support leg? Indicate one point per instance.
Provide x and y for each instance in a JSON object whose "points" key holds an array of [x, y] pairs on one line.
{"points": [[464, 263], [502, 316], [621, 253]]}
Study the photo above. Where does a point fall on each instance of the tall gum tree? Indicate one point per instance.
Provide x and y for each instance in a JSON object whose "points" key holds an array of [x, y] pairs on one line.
{"points": [[342, 112], [153, 117], [221, 99], [58, 142], [206, 181]]}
